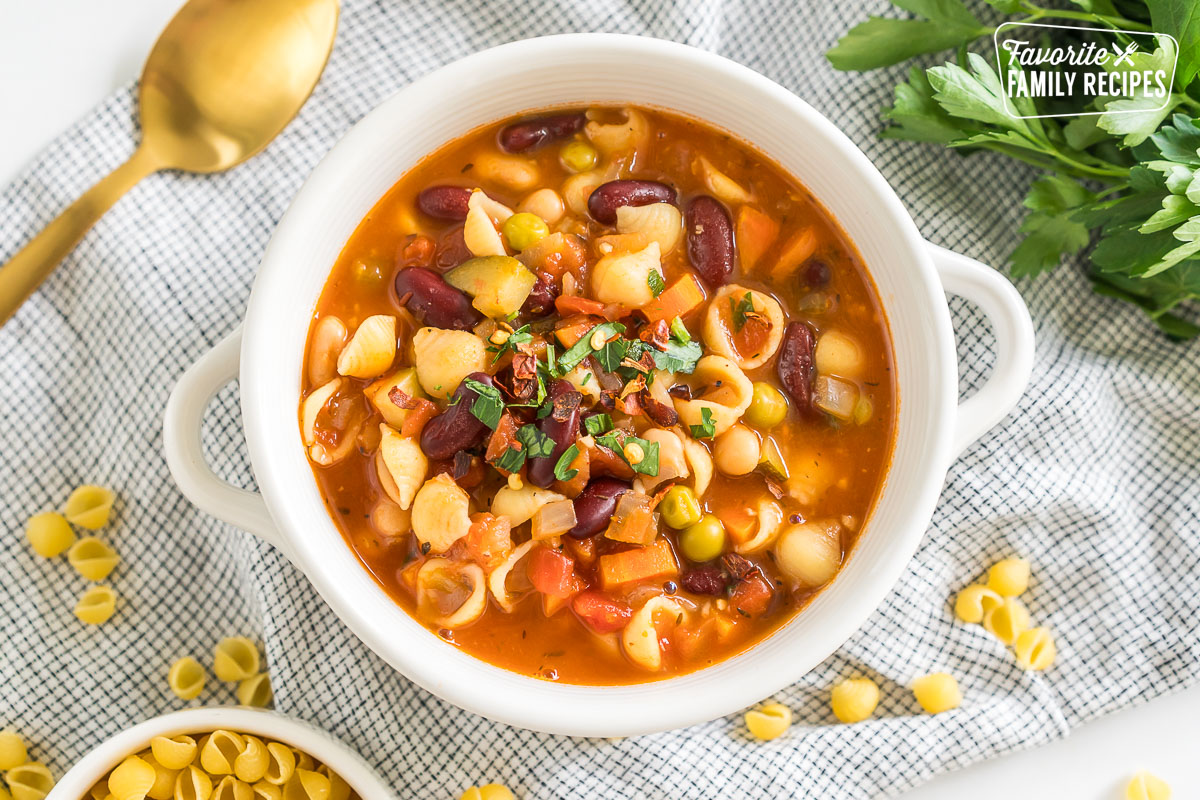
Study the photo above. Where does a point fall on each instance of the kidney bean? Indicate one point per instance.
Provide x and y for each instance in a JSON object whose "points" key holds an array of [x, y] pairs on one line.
{"points": [[531, 134], [541, 297], [456, 428], [434, 301], [704, 580], [561, 425], [608, 197], [816, 273], [444, 202], [595, 506], [709, 240], [795, 365]]}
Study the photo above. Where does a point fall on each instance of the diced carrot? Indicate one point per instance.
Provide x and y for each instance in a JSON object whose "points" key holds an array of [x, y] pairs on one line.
{"points": [[652, 562], [756, 232], [577, 305], [738, 520], [421, 413], [677, 300], [795, 253], [751, 596], [572, 329], [582, 466]]}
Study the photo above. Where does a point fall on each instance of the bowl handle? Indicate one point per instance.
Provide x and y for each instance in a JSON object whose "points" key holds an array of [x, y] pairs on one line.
{"points": [[996, 297], [185, 455]]}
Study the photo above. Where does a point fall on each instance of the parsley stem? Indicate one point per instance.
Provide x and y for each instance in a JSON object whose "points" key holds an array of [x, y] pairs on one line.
{"points": [[1037, 12]]}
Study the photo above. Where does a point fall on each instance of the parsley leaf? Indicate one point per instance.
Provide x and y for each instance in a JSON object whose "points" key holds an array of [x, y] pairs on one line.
{"points": [[518, 337], [537, 444], [655, 281], [562, 470], [611, 355], [707, 428], [680, 331], [739, 310], [1050, 227], [649, 463], [597, 424], [880, 42], [511, 460], [677, 357], [488, 406], [583, 348]]}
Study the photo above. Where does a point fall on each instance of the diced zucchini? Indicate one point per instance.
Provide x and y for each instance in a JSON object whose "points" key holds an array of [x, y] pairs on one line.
{"points": [[378, 393], [771, 463], [498, 284]]}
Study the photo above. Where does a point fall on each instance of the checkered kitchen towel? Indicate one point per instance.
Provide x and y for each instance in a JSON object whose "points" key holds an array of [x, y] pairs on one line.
{"points": [[1095, 478]]}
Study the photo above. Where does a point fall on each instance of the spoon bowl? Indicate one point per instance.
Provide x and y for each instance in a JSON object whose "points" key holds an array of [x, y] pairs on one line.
{"points": [[223, 79]]}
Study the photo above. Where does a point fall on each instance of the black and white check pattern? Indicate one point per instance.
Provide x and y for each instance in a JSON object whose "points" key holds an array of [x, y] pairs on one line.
{"points": [[1095, 478]]}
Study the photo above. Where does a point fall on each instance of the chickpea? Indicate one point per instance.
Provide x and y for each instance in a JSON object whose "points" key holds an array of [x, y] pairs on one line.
{"points": [[736, 451], [524, 229], [703, 541], [768, 406], [545, 203], [680, 508]]}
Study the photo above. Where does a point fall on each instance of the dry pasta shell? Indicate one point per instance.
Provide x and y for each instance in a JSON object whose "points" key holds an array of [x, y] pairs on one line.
{"points": [[251, 764], [267, 791], [186, 679], [221, 751], [96, 606], [89, 507], [31, 781], [193, 783], [306, 784], [281, 765], [371, 350], [255, 691], [163, 787], [1035, 649], [12, 750], [92, 558], [175, 752], [768, 721], [99, 790], [230, 788], [338, 788], [303, 759], [49, 534], [234, 659], [132, 779], [1007, 620]]}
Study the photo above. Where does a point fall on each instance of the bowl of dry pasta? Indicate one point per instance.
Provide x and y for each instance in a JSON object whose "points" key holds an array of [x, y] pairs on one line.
{"points": [[222, 754]]}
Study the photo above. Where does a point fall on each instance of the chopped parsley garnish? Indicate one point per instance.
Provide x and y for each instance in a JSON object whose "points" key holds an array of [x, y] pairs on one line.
{"points": [[545, 409], [655, 282], [587, 376], [739, 310], [707, 428], [511, 460], [649, 463], [678, 357], [680, 331], [612, 353], [518, 337], [562, 470], [488, 406], [583, 348], [537, 444], [598, 424]]}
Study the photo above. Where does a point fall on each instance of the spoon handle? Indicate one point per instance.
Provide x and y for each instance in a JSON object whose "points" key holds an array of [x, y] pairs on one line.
{"points": [[36, 260]]}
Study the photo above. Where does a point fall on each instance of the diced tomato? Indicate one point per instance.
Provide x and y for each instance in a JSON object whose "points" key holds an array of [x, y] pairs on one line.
{"points": [[638, 564], [600, 612], [571, 330], [504, 437], [567, 305], [489, 540], [751, 596], [552, 572], [682, 297], [414, 423], [583, 550]]}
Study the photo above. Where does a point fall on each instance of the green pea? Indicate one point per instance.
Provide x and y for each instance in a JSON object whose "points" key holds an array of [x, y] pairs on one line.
{"points": [[680, 508], [524, 229], [768, 406], [703, 541], [579, 156]]}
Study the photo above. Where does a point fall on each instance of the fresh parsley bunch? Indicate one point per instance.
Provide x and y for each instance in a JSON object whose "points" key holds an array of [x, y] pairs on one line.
{"points": [[1131, 181]]}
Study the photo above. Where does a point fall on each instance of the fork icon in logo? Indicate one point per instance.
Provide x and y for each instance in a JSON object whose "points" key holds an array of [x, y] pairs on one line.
{"points": [[1124, 55]]}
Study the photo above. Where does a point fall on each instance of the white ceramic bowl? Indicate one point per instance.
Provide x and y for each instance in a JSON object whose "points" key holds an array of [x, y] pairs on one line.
{"points": [[266, 724], [597, 68]]}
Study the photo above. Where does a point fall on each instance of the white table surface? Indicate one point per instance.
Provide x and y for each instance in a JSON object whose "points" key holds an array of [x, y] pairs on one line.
{"points": [[58, 58]]}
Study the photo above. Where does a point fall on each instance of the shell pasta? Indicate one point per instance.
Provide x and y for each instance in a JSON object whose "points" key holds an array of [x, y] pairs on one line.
{"points": [[219, 765]]}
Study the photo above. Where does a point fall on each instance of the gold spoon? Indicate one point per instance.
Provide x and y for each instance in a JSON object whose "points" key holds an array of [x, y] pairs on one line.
{"points": [[223, 79]]}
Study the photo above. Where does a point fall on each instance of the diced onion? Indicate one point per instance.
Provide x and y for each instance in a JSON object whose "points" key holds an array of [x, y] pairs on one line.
{"points": [[553, 519], [835, 396], [633, 522]]}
